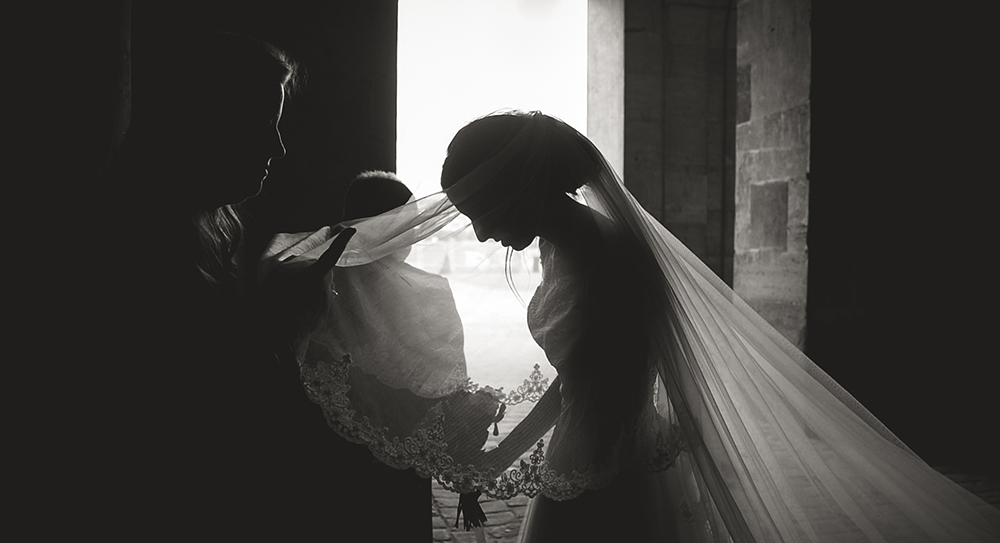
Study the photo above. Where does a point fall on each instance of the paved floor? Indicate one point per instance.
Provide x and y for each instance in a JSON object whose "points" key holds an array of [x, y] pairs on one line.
{"points": [[501, 353], [504, 517], [502, 526]]}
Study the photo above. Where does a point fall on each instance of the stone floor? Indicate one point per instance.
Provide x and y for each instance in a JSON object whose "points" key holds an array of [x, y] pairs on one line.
{"points": [[504, 517], [986, 488], [502, 526]]}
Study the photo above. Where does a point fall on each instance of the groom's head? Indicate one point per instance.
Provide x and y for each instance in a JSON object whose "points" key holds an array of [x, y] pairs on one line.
{"points": [[373, 193]]}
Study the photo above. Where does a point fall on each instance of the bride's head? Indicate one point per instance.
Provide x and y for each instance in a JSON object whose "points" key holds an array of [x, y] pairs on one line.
{"points": [[505, 171]]}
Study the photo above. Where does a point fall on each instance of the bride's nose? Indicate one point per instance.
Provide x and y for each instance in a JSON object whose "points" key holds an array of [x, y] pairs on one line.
{"points": [[481, 234]]}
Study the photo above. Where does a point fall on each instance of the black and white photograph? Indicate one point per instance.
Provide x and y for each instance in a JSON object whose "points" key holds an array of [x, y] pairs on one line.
{"points": [[501, 271]]}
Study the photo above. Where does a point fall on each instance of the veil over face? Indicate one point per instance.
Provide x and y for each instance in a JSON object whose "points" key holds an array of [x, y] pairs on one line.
{"points": [[656, 368]]}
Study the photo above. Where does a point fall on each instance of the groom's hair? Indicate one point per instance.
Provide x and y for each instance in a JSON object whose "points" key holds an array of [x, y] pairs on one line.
{"points": [[373, 193]]}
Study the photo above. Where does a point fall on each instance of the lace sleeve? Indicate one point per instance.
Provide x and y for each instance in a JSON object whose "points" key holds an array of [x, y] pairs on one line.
{"points": [[528, 432]]}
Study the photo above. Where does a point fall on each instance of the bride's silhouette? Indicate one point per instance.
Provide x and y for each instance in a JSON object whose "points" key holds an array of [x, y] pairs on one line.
{"points": [[678, 412]]}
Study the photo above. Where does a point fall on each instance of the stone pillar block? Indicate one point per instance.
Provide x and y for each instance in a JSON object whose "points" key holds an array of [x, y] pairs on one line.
{"points": [[768, 216], [772, 160]]}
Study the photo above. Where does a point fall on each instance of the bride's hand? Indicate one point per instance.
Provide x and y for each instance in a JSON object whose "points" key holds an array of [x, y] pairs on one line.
{"points": [[294, 295]]}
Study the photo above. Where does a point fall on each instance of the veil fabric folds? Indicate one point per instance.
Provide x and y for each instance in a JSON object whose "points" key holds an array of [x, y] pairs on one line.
{"points": [[744, 437]]}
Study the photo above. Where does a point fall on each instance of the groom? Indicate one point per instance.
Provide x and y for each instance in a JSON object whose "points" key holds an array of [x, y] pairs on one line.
{"points": [[181, 422]]}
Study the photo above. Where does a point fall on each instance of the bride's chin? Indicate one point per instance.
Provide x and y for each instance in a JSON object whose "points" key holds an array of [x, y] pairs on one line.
{"points": [[515, 245]]}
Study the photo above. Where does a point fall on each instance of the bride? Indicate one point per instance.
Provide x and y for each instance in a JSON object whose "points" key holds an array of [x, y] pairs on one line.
{"points": [[679, 414]]}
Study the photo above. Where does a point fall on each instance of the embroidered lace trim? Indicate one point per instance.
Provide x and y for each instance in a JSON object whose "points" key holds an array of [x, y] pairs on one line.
{"points": [[426, 451]]}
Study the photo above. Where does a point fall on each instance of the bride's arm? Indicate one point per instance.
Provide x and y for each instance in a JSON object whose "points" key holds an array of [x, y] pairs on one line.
{"points": [[528, 431]]}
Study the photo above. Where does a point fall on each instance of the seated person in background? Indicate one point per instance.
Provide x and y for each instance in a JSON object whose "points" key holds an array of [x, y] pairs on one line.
{"points": [[403, 333], [388, 296]]}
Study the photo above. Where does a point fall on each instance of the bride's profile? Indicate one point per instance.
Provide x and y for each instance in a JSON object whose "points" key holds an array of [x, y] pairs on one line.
{"points": [[677, 413], [590, 315]]}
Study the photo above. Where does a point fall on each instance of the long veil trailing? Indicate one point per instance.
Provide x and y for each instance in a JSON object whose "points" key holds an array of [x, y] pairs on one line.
{"points": [[425, 356]]}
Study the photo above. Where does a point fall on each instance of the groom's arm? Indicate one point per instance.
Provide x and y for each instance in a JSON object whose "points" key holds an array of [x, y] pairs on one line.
{"points": [[291, 298]]}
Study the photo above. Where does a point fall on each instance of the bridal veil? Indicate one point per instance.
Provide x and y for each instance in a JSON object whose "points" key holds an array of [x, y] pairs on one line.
{"points": [[752, 440]]}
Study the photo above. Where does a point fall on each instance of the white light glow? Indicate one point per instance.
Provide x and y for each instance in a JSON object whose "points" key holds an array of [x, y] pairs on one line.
{"points": [[462, 59]]}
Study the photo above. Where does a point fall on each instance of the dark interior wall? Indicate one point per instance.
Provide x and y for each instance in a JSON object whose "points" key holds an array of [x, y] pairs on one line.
{"points": [[70, 77], [341, 122], [901, 240], [86, 75], [68, 71]]}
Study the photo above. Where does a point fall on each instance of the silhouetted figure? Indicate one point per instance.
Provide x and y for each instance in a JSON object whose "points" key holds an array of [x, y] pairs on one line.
{"points": [[391, 296], [374, 192], [393, 338], [400, 326], [186, 424], [680, 415]]}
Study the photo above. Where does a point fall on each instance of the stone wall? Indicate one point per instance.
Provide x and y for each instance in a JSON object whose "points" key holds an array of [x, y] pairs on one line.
{"points": [[679, 76], [606, 79], [772, 161]]}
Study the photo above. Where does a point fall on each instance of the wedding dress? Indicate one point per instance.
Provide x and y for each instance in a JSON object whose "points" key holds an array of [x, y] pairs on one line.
{"points": [[660, 380]]}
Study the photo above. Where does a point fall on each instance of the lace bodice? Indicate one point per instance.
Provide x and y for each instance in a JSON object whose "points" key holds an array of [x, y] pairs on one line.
{"points": [[588, 316]]}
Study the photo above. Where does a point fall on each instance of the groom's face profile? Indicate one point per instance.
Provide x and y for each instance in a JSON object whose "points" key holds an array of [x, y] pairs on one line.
{"points": [[241, 141]]}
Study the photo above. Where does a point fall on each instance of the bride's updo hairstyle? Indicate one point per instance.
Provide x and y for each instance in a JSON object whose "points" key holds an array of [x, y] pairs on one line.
{"points": [[516, 152]]}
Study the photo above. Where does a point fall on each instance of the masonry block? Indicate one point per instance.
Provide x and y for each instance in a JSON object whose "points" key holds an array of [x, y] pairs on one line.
{"points": [[785, 129], [716, 147], [691, 235], [772, 159], [772, 164], [770, 275], [743, 102], [644, 96], [644, 148], [746, 136], [741, 215], [685, 61], [678, 149], [644, 163], [687, 24], [715, 188], [788, 318], [769, 216], [720, 112], [717, 27], [684, 198], [798, 213], [714, 237], [644, 49], [750, 30], [644, 15], [783, 78], [798, 201], [685, 118], [783, 163]]}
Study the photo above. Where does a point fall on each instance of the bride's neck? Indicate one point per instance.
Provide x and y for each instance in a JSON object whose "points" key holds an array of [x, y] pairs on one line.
{"points": [[569, 225]]}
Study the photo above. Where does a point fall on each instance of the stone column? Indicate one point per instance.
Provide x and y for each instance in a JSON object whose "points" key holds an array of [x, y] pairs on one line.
{"points": [[772, 160], [679, 76], [606, 79]]}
